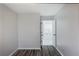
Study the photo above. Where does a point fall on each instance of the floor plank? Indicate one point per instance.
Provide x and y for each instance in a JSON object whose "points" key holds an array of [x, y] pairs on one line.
{"points": [[45, 51]]}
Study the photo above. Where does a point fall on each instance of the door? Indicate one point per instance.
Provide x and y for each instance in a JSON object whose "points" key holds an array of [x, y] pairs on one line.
{"points": [[48, 32]]}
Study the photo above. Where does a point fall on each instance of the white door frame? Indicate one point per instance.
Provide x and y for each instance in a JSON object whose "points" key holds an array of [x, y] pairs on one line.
{"points": [[55, 32]]}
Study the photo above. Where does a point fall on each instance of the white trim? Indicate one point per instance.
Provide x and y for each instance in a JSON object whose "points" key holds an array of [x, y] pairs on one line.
{"points": [[59, 52], [13, 52], [30, 48]]}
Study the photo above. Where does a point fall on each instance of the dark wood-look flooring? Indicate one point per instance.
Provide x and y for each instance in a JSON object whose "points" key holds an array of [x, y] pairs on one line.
{"points": [[44, 51]]}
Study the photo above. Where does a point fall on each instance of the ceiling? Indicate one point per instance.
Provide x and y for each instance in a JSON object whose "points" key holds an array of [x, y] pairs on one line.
{"points": [[24, 7], [50, 9], [43, 9]]}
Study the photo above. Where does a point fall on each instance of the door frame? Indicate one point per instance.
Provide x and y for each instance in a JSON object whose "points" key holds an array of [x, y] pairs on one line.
{"points": [[55, 31]]}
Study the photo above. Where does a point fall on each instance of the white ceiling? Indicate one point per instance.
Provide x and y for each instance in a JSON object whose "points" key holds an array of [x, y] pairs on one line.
{"points": [[24, 7], [43, 9], [50, 9]]}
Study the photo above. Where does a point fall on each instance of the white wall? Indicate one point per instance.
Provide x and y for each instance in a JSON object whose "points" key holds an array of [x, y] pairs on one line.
{"points": [[9, 41], [0, 29], [29, 30], [68, 30]]}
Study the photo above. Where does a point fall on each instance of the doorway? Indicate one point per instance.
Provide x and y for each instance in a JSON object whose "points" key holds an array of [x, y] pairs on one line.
{"points": [[48, 34]]}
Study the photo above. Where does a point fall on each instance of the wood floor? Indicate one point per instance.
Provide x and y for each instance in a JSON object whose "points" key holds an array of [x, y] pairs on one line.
{"points": [[44, 51]]}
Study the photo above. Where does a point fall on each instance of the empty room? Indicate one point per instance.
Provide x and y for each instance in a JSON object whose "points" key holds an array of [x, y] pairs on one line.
{"points": [[39, 29]]}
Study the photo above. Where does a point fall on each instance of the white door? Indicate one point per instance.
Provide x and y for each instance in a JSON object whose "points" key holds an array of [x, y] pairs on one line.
{"points": [[48, 32]]}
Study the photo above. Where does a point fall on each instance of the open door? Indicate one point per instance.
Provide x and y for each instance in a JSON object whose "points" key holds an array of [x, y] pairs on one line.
{"points": [[48, 32]]}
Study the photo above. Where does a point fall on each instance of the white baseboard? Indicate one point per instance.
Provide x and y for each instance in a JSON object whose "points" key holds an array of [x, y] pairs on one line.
{"points": [[59, 52], [30, 48], [13, 52]]}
